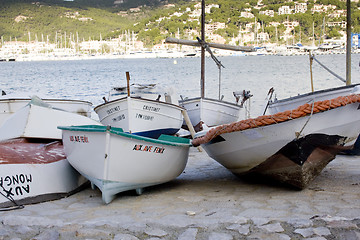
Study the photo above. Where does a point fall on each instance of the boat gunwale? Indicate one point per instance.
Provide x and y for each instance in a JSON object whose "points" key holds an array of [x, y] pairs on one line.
{"points": [[211, 99], [168, 139], [138, 98], [45, 99], [276, 101]]}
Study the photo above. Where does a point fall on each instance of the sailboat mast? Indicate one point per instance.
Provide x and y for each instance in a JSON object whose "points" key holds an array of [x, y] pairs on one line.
{"points": [[202, 83], [348, 42]]}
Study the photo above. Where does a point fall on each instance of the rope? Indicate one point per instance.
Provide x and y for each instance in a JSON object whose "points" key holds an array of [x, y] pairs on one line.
{"points": [[302, 129], [301, 111], [326, 68], [11, 199]]}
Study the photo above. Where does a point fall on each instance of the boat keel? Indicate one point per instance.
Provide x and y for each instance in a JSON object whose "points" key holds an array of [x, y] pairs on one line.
{"points": [[301, 160]]}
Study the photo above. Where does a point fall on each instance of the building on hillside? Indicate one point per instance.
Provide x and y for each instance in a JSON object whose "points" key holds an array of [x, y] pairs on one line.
{"points": [[284, 10], [269, 13], [300, 7], [207, 7], [214, 26], [170, 5], [317, 8], [177, 14], [341, 24], [290, 24], [275, 24], [247, 15], [262, 37], [20, 47], [337, 13], [249, 27], [216, 38]]}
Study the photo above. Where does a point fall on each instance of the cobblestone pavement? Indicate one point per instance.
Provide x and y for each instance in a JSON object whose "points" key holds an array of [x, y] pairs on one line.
{"points": [[205, 202]]}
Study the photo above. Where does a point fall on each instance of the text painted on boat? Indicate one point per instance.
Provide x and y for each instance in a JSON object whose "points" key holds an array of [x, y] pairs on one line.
{"points": [[15, 185], [119, 118], [112, 110], [151, 108], [147, 148], [82, 139], [145, 117]]}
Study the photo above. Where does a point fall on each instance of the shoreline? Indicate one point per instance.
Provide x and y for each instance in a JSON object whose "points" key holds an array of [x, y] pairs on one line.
{"points": [[145, 55]]}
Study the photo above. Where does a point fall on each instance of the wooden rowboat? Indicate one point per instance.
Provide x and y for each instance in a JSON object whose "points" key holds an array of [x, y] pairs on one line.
{"points": [[141, 116], [33, 171], [9, 104], [292, 146], [115, 161], [33, 165]]}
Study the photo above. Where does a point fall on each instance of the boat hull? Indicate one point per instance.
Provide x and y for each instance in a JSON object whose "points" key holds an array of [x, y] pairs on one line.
{"points": [[35, 171], [293, 102], [211, 112], [36, 120], [241, 151], [10, 105], [115, 161], [141, 116]]}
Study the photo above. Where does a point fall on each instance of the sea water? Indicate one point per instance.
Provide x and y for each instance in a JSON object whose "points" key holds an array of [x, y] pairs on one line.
{"points": [[91, 80]]}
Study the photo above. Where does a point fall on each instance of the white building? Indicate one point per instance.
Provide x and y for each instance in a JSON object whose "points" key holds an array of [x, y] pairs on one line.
{"points": [[284, 10], [300, 7], [247, 15], [262, 37], [214, 26], [269, 13]]}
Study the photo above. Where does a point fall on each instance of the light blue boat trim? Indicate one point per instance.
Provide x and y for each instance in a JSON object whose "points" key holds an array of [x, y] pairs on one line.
{"points": [[163, 139], [109, 189]]}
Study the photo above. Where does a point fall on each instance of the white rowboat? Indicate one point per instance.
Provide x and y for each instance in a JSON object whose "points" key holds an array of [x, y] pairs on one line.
{"points": [[243, 146], [38, 119], [115, 161], [276, 105], [210, 111], [10, 104], [140, 116]]}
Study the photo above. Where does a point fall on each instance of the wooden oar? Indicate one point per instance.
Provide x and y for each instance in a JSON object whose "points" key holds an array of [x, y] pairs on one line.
{"points": [[128, 83]]}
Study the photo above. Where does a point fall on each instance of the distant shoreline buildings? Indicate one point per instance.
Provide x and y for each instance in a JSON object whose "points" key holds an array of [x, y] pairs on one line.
{"points": [[128, 43]]}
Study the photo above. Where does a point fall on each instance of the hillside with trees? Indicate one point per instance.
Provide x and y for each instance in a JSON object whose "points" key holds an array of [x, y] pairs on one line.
{"points": [[153, 20]]}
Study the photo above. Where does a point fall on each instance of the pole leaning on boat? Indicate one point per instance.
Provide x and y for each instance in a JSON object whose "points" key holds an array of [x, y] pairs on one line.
{"points": [[348, 42]]}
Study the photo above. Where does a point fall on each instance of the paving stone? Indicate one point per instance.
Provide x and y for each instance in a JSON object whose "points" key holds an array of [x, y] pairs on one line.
{"points": [[242, 229], [220, 236], [316, 238], [349, 235], [274, 227], [305, 232], [342, 224], [321, 231], [189, 234], [125, 237], [95, 233], [156, 232], [260, 221], [268, 236], [300, 223], [48, 235]]}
